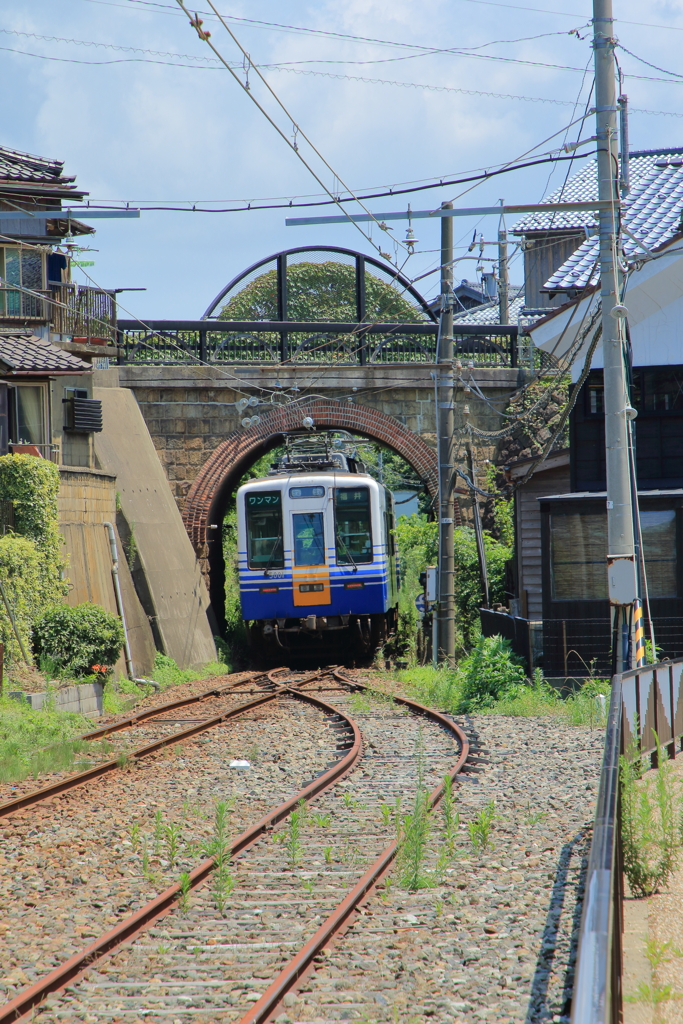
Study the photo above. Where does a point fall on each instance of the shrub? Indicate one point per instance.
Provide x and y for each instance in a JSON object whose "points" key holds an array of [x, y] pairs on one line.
{"points": [[490, 672], [417, 541], [78, 638], [32, 485], [20, 570], [468, 593]]}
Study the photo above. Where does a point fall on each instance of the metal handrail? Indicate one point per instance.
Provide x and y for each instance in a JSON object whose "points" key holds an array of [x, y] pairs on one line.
{"points": [[634, 726], [593, 1001]]}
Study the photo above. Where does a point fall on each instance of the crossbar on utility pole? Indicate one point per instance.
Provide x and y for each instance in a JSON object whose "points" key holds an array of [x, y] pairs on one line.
{"points": [[445, 425]]}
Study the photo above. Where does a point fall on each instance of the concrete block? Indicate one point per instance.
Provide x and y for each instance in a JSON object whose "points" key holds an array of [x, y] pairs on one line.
{"points": [[83, 699]]}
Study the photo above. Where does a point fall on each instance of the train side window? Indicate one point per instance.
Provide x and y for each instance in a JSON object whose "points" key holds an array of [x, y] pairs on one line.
{"points": [[265, 549], [309, 538], [352, 522]]}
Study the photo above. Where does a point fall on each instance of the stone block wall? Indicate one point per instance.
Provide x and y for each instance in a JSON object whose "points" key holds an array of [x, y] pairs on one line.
{"points": [[189, 411]]}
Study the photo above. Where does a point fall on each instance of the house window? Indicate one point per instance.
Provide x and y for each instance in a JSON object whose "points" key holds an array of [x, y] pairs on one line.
{"points": [[27, 414], [578, 555], [24, 268]]}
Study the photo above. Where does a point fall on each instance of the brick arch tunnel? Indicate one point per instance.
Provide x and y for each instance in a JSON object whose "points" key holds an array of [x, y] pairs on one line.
{"points": [[210, 494]]}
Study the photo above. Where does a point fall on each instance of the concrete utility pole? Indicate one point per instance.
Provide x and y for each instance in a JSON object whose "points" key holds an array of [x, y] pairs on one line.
{"points": [[621, 561], [503, 279], [445, 425]]}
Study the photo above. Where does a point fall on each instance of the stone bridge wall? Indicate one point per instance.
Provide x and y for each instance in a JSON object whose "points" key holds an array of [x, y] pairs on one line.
{"points": [[190, 410]]}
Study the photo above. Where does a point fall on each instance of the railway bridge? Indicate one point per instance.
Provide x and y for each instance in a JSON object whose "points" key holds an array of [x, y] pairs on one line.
{"points": [[325, 333]]}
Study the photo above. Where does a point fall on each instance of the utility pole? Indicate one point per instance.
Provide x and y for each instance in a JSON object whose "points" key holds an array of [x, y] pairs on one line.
{"points": [[621, 562], [445, 425], [503, 279]]}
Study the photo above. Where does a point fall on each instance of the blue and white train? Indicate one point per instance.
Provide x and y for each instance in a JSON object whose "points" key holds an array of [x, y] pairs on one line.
{"points": [[317, 556]]}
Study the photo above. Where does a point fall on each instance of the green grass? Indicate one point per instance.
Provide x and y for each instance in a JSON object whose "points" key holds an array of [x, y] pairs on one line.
{"points": [[442, 688], [36, 741], [121, 696]]}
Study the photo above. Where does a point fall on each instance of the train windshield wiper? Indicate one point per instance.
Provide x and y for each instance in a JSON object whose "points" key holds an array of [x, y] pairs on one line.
{"points": [[278, 543], [341, 541]]}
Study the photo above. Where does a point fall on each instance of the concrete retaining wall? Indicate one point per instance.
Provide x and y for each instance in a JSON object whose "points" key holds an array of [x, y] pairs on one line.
{"points": [[87, 500], [85, 699]]}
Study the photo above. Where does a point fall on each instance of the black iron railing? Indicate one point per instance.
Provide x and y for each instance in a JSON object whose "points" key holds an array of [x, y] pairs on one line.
{"points": [[174, 342]]}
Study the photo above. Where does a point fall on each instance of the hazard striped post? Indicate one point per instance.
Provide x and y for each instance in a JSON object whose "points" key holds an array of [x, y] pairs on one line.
{"points": [[639, 631]]}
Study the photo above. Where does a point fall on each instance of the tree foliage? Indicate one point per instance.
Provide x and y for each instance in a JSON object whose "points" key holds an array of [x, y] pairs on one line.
{"points": [[320, 291], [23, 582], [468, 592], [32, 485]]}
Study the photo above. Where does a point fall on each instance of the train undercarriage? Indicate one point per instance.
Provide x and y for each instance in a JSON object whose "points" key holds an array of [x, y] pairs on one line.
{"points": [[319, 638]]}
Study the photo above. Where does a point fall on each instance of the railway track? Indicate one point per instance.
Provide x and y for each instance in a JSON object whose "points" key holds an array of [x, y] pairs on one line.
{"points": [[297, 881]]}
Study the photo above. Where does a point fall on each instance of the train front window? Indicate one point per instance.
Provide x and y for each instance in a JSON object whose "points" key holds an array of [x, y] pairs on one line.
{"points": [[265, 549], [309, 538], [353, 531]]}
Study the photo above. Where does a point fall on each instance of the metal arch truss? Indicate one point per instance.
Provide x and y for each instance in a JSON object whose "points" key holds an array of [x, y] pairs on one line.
{"points": [[360, 341]]}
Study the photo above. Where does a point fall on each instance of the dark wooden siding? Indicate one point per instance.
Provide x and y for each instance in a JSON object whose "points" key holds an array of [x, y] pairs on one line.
{"points": [[658, 446], [528, 535]]}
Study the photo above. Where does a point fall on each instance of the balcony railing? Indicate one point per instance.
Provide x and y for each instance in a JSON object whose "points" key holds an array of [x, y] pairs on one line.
{"points": [[78, 310], [83, 312]]}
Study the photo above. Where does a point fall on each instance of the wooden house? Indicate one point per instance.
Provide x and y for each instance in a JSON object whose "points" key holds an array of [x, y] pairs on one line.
{"points": [[573, 541]]}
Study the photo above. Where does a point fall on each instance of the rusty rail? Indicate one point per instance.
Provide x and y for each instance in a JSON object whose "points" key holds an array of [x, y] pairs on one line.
{"points": [[69, 971], [62, 785], [302, 962]]}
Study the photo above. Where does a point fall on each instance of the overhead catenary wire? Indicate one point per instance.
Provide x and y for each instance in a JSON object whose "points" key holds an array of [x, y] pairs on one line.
{"points": [[169, 9], [297, 130]]}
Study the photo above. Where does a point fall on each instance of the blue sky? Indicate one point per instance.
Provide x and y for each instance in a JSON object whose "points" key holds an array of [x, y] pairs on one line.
{"points": [[141, 129]]}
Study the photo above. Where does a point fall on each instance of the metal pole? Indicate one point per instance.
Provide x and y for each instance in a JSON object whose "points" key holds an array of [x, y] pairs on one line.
{"points": [[445, 424], [503, 279], [621, 563]]}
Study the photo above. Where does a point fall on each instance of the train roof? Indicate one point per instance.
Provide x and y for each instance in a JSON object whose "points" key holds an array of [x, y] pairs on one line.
{"points": [[335, 477]]}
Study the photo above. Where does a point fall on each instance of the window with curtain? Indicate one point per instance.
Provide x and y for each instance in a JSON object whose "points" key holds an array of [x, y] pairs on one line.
{"points": [[29, 414], [578, 554]]}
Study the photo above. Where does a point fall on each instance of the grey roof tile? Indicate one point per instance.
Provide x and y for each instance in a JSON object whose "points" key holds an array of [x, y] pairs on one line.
{"points": [[488, 313], [651, 211], [23, 352], [583, 186]]}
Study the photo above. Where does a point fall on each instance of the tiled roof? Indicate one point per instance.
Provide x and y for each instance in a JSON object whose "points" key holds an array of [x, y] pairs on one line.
{"points": [[651, 211], [583, 186], [488, 313], [24, 352], [17, 169]]}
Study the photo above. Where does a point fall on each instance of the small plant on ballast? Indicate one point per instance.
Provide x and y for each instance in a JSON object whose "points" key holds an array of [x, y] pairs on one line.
{"points": [[480, 827], [220, 849], [293, 842], [184, 895], [172, 837], [413, 832]]}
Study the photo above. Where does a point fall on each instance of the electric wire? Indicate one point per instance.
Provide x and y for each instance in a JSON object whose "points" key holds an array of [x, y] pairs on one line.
{"points": [[205, 37]]}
